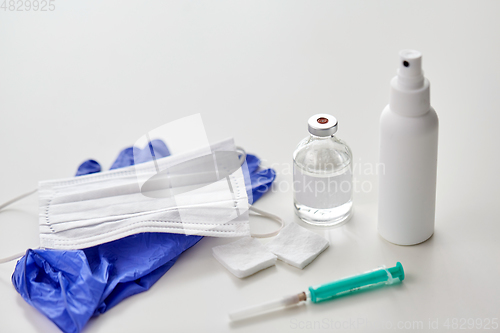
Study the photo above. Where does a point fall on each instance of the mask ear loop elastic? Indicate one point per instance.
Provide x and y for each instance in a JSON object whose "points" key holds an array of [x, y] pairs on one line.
{"points": [[270, 216], [8, 203], [257, 211], [243, 157], [22, 196]]}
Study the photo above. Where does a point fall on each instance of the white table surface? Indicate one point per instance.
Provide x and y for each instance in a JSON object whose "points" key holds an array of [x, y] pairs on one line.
{"points": [[88, 79]]}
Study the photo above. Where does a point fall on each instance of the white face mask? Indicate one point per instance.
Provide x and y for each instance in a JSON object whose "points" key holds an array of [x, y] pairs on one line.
{"points": [[177, 194]]}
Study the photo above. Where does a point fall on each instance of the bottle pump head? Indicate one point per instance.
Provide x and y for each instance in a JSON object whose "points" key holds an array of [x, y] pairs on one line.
{"points": [[410, 72], [410, 93]]}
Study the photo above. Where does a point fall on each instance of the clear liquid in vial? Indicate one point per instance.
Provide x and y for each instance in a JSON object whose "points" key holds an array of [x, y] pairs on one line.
{"points": [[323, 198]]}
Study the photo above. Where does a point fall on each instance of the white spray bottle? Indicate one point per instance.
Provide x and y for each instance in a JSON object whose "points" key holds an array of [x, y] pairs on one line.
{"points": [[408, 156]]}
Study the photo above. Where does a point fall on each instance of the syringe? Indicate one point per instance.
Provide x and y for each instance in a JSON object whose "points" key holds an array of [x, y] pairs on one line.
{"points": [[377, 277]]}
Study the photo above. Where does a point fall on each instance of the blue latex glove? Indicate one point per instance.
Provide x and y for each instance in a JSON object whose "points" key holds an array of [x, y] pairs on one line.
{"points": [[88, 167], [128, 155], [261, 180], [69, 287]]}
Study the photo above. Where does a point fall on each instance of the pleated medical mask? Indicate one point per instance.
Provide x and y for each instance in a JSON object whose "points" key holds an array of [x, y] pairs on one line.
{"points": [[192, 193]]}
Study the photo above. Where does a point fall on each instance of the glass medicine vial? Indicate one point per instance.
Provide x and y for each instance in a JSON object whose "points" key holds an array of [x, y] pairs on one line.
{"points": [[322, 175]]}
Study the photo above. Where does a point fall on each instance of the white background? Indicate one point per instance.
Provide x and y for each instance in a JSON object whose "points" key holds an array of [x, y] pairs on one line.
{"points": [[91, 77]]}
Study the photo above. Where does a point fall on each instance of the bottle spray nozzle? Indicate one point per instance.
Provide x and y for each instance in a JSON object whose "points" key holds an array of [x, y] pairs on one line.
{"points": [[409, 88], [410, 74]]}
